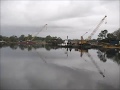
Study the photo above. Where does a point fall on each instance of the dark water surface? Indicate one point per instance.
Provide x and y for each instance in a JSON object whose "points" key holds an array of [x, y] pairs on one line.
{"points": [[59, 68]]}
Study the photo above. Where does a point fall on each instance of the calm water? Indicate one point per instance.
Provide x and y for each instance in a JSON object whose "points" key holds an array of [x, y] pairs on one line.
{"points": [[59, 68]]}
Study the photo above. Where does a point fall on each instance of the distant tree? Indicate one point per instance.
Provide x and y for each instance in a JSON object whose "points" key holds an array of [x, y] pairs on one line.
{"points": [[110, 36], [48, 38], [102, 34], [53, 40], [22, 38], [54, 37], [105, 33], [117, 34], [13, 38], [29, 37], [7, 39], [1, 37], [59, 40]]}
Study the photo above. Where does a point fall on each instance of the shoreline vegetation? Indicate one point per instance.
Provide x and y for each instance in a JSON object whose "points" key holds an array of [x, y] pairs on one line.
{"points": [[107, 40]]}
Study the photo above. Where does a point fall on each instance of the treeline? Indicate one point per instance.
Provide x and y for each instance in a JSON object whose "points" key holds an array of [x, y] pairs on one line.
{"points": [[29, 37], [106, 37]]}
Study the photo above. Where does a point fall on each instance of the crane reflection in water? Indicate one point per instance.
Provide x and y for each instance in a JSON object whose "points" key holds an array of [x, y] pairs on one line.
{"points": [[103, 54], [93, 61]]}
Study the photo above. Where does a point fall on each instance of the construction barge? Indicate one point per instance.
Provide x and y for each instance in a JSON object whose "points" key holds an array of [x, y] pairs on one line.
{"points": [[89, 46]]}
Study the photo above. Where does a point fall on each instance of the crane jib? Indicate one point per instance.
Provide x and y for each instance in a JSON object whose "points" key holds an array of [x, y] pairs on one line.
{"points": [[89, 38]]}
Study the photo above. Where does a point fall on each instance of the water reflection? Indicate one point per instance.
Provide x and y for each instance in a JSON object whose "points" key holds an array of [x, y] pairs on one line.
{"points": [[103, 54], [48, 67], [28, 47], [113, 54], [92, 60]]}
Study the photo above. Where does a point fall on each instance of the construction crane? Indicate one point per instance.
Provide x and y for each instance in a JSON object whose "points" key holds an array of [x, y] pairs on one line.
{"points": [[30, 41], [82, 40], [84, 33], [45, 26], [89, 37]]}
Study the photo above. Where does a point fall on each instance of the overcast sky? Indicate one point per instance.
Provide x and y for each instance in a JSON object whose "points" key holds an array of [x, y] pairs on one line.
{"points": [[70, 18]]}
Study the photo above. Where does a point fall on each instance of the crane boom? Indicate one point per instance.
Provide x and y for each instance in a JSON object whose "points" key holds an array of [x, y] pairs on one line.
{"points": [[39, 31], [89, 38], [84, 33]]}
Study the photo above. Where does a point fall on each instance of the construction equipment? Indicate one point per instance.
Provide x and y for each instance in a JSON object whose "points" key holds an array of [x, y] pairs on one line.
{"points": [[30, 41], [83, 51], [94, 31], [39, 31], [82, 40], [84, 33]]}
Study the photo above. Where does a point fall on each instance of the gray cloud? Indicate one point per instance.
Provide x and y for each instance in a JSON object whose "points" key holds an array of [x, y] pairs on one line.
{"points": [[63, 17]]}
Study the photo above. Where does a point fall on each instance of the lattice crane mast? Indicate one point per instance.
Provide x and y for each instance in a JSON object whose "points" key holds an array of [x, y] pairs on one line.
{"points": [[89, 38], [45, 26]]}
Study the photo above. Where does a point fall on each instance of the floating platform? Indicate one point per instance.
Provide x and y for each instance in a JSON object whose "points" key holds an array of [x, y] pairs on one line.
{"points": [[76, 46]]}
